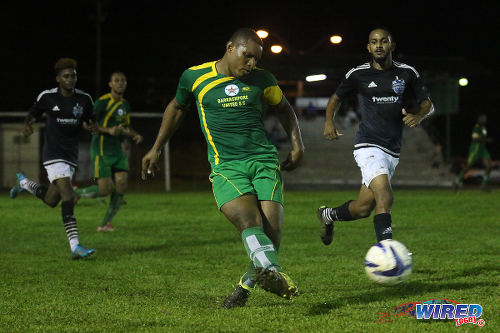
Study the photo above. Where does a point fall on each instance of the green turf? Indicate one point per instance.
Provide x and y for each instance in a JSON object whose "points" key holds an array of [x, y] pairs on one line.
{"points": [[173, 258]]}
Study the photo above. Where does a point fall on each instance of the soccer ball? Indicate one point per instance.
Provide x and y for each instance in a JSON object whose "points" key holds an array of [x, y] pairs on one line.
{"points": [[388, 262]]}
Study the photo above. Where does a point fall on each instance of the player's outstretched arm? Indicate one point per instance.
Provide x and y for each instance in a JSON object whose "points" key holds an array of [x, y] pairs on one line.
{"points": [[331, 132], [172, 117], [413, 120], [289, 121]]}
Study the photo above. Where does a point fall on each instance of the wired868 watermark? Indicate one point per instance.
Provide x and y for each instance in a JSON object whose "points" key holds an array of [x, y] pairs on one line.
{"points": [[437, 309]]}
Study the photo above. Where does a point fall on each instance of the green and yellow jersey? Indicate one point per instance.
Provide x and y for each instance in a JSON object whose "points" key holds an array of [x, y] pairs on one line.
{"points": [[479, 134], [109, 112], [230, 111], [477, 149]]}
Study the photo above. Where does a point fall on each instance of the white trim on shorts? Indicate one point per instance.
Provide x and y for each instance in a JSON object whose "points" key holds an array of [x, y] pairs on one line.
{"points": [[374, 162]]}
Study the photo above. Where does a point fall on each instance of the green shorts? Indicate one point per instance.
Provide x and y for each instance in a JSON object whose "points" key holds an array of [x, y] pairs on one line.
{"points": [[105, 165], [477, 152], [235, 178]]}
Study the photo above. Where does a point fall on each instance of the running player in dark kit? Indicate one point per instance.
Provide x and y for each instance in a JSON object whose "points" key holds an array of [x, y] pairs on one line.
{"points": [[67, 110], [383, 88]]}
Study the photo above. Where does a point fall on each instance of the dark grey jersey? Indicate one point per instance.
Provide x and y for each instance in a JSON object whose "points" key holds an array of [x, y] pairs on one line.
{"points": [[65, 116], [382, 94]]}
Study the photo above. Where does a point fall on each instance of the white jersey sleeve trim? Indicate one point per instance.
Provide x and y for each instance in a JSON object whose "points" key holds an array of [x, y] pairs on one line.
{"points": [[81, 92], [48, 91], [363, 66], [401, 65]]}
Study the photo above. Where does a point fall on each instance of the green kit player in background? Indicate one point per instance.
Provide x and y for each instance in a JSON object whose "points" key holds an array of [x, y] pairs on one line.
{"points": [[246, 173], [109, 163], [477, 152]]}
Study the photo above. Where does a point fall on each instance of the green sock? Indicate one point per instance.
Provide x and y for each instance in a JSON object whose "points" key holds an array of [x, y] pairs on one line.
{"points": [[88, 192], [247, 281], [114, 205], [485, 180], [260, 249]]}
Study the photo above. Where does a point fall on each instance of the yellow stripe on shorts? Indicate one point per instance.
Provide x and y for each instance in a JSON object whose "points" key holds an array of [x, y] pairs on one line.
{"points": [[218, 174]]}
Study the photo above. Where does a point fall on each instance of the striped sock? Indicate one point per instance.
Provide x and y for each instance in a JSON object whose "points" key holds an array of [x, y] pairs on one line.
{"points": [[34, 188], [260, 248], [247, 281], [69, 222], [340, 213]]}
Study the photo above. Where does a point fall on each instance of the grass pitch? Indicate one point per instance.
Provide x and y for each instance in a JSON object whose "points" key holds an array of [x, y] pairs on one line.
{"points": [[174, 258]]}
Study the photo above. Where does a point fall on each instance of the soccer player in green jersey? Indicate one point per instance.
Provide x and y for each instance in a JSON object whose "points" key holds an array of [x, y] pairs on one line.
{"points": [[477, 152], [109, 162], [246, 175]]}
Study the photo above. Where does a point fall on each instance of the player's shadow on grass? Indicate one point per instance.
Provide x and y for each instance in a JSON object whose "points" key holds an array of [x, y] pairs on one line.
{"points": [[113, 253], [405, 290], [180, 245], [474, 271]]}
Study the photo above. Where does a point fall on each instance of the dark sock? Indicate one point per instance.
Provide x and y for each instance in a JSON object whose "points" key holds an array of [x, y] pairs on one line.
{"points": [[341, 213], [382, 223], [40, 192]]}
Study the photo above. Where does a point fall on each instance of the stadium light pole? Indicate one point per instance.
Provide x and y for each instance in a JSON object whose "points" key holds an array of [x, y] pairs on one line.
{"points": [[98, 48], [166, 156]]}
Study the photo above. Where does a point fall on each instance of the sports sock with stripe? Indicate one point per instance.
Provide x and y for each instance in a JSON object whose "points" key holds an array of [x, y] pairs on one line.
{"points": [[382, 223], [34, 188], [340, 213], [260, 248], [69, 222]]}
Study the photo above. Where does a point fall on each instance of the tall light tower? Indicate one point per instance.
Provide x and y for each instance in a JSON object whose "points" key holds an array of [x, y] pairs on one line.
{"points": [[98, 48]]}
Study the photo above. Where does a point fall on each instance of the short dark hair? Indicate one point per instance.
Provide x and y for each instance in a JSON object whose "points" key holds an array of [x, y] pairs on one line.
{"points": [[382, 28], [64, 63], [116, 72], [243, 34]]}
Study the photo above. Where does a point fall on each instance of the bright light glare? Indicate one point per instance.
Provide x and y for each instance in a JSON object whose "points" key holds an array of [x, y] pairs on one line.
{"points": [[276, 49], [316, 77], [335, 39], [262, 33], [463, 82]]}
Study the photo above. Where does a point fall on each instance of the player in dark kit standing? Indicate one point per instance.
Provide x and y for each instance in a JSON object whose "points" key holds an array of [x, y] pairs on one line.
{"points": [[383, 87], [67, 109]]}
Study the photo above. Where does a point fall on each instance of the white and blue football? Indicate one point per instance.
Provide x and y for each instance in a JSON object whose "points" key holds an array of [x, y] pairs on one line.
{"points": [[388, 262]]}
